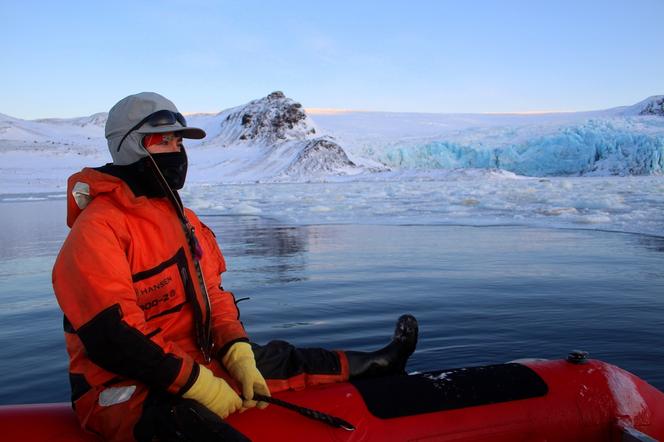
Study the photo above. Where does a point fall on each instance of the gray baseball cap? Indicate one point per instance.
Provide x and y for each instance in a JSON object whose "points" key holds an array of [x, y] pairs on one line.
{"points": [[136, 115]]}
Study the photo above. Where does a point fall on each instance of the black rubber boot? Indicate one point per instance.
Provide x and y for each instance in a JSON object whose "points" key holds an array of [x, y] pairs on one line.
{"points": [[389, 360]]}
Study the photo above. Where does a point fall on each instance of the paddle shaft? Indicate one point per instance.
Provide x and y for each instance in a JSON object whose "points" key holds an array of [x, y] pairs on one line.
{"points": [[308, 412]]}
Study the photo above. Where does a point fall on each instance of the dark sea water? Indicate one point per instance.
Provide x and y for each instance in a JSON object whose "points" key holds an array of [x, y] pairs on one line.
{"points": [[481, 294]]}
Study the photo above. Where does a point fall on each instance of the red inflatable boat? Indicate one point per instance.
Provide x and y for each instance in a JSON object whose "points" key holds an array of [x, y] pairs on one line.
{"points": [[529, 400]]}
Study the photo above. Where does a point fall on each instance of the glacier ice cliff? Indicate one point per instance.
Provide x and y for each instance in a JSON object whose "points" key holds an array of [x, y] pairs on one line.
{"points": [[597, 147], [627, 140]]}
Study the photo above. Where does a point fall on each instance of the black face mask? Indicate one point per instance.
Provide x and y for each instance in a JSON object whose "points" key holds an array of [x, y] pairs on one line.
{"points": [[173, 165]]}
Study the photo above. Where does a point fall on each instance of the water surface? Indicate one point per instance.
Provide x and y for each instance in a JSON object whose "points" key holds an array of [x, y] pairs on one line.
{"points": [[482, 294]]}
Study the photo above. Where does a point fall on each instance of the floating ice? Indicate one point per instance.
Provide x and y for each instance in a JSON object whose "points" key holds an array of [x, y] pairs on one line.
{"points": [[626, 204]]}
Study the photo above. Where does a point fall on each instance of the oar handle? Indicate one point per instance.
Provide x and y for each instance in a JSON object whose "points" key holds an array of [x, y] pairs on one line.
{"points": [[334, 421]]}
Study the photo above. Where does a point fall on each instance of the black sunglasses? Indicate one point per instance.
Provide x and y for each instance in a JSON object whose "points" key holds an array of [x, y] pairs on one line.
{"points": [[156, 119]]}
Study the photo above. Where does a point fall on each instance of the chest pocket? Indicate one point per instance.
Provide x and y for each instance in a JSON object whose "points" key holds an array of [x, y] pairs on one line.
{"points": [[165, 288]]}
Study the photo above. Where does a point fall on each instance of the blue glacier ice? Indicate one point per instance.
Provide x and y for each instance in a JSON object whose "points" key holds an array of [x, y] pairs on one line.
{"points": [[595, 147]]}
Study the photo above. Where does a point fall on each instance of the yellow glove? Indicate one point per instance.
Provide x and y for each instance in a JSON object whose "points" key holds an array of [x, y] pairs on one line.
{"points": [[241, 364], [214, 393]]}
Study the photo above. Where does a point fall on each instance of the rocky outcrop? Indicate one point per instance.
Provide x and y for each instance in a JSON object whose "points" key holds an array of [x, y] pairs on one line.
{"points": [[271, 119], [654, 107], [321, 155]]}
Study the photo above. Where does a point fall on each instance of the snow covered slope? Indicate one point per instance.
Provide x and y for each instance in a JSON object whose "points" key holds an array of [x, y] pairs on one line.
{"points": [[39, 155], [650, 106]]}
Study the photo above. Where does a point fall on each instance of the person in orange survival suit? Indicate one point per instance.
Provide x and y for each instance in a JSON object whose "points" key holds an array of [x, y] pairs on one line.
{"points": [[156, 346]]}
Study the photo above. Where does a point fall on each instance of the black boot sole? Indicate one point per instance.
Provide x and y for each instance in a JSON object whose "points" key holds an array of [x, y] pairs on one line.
{"points": [[389, 360], [406, 332]]}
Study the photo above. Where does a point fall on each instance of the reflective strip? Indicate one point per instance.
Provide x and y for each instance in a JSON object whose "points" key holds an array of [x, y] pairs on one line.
{"points": [[81, 194], [116, 395]]}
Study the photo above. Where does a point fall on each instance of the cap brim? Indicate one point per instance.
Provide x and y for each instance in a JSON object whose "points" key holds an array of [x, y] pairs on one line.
{"points": [[185, 132]]}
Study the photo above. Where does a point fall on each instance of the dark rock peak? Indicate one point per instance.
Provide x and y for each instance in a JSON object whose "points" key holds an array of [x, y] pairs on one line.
{"points": [[276, 95], [271, 119]]}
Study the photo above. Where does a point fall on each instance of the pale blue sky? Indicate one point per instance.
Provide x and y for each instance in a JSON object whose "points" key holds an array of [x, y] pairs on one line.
{"points": [[74, 58]]}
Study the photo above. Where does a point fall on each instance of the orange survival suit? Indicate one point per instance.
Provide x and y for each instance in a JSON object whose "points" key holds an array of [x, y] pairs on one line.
{"points": [[135, 315]]}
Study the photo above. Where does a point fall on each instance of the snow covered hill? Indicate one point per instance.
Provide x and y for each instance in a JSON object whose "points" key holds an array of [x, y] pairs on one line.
{"points": [[273, 139], [650, 106]]}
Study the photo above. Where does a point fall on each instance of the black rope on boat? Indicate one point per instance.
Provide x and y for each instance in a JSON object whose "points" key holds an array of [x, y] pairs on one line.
{"points": [[308, 412]]}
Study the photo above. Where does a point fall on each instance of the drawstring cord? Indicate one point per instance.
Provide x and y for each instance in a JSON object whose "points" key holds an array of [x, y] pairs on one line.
{"points": [[204, 331]]}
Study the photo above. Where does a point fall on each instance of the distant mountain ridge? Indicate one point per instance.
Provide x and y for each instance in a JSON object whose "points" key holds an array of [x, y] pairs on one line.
{"points": [[653, 105]]}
